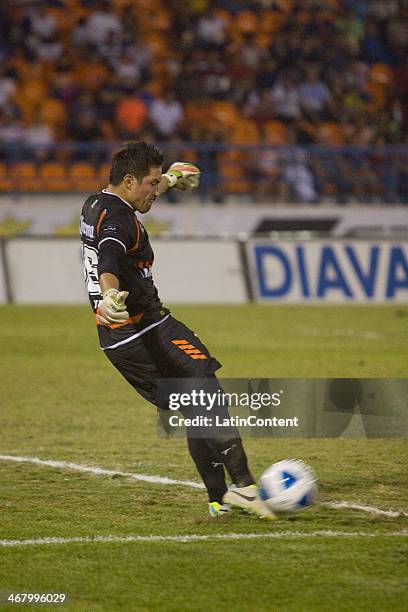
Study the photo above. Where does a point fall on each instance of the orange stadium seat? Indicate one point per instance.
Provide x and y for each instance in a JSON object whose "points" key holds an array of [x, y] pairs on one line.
{"points": [[162, 21], [6, 184], [264, 39], [107, 129], [246, 132], [159, 70], [309, 128], [285, 5], [25, 177], [28, 107], [53, 177], [156, 43], [119, 4], [189, 155], [232, 171], [225, 16], [35, 89], [65, 20], [378, 95], [225, 112], [77, 10], [196, 114], [270, 22], [91, 75], [303, 17], [147, 5], [275, 133], [329, 133], [53, 112], [246, 21], [21, 65], [103, 174], [381, 74], [156, 86], [84, 177]]}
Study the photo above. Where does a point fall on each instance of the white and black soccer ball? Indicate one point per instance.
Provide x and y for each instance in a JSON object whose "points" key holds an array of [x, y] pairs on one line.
{"points": [[288, 486]]}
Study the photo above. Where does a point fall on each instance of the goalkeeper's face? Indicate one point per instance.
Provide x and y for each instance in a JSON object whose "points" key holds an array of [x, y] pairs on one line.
{"points": [[142, 194]]}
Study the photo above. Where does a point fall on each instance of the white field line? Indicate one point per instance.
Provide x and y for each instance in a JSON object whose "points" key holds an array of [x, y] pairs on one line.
{"points": [[344, 333], [370, 509], [202, 538], [87, 469]]}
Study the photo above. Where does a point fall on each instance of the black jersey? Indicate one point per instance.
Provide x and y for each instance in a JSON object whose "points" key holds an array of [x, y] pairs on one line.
{"points": [[109, 224]]}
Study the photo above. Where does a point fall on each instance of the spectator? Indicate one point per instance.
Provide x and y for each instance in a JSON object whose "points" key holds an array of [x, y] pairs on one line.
{"points": [[38, 138], [298, 176], [101, 23], [211, 30], [166, 114], [214, 78], [11, 135], [85, 128], [8, 86], [267, 170], [48, 49], [373, 47], [42, 24], [87, 133], [314, 95], [128, 73], [260, 107], [83, 104], [286, 98], [250, 52], [65, 86], [383, 10], [140, 55], [79, 34], [130, 115], [266, 73], [397, 33]]}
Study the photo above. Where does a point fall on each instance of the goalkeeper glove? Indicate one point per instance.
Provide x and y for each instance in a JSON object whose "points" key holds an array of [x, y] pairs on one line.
{"points": [[112, 308], [183, 175]]}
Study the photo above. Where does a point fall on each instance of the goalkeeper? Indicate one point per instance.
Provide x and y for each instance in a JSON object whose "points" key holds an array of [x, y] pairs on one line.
{"points": [[136, 332]]}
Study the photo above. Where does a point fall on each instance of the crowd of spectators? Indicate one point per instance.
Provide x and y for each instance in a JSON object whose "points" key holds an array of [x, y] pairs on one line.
{"points": [[223, 73]]}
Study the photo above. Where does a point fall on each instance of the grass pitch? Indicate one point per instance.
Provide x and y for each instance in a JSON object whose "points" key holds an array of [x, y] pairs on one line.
{"points": [[62, 400]]}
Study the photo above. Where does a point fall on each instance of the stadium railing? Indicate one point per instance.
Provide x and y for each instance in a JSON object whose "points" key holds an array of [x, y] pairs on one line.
{"points": [[303, 174]]}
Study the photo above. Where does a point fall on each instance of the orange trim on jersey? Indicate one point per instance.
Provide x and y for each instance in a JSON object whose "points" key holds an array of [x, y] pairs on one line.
{"points": [[136, 244], [134, 319], [101, 218], [189, 349]]}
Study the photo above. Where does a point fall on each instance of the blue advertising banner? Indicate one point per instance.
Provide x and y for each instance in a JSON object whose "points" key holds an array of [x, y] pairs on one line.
{"points": [[320, 271]]}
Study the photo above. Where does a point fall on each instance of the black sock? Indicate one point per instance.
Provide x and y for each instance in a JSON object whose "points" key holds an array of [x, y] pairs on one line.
{"points": [[232, 454], [210, 468]]}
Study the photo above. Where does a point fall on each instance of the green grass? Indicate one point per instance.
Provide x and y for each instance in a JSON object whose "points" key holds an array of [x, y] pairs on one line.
{"points": [[62, 400]]}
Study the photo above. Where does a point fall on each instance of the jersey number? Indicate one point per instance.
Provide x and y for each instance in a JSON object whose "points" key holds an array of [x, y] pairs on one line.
{"points": [[90, 265]]}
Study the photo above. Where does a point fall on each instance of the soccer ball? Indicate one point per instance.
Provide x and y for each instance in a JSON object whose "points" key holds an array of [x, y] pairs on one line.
{"points": [[288, 486]]}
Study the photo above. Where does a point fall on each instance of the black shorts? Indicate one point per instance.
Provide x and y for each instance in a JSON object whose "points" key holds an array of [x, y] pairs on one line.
{"points": [[169, 350]]}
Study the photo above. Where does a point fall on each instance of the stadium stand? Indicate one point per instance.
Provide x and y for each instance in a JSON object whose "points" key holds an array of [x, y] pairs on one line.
{"points": [[326, 77]]}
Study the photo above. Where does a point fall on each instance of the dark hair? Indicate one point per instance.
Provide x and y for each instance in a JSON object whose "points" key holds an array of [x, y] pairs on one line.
{"points": [[136, 159]]}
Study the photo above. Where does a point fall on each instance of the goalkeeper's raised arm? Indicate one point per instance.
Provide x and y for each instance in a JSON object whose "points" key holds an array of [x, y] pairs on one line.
{"points": [[181, 175]]}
